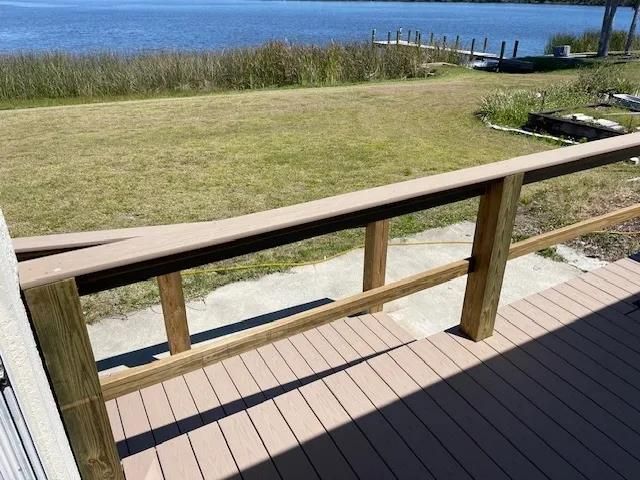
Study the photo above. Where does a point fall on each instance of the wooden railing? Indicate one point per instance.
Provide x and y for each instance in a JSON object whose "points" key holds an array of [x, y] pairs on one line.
{"points": [[55, 270]]}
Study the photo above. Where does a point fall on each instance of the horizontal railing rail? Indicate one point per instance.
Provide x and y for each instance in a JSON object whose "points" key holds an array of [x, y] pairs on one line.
{"points": [[55, 270], [161, 252]]}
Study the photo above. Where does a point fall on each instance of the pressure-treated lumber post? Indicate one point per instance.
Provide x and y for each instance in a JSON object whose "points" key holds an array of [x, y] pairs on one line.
{"points": [[491, 242], [375, 257], [56, 315], [174, 312]]}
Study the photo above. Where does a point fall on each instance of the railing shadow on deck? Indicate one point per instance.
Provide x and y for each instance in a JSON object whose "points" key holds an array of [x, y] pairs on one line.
{"points": [[143, 356], [557, 406]]}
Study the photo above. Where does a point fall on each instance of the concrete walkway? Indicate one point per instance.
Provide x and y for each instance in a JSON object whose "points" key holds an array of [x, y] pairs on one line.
{"points": [[423, 313]]}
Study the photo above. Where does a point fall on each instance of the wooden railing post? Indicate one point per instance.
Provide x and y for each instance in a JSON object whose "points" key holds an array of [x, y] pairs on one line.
{"points": [[56, 315], [174, 312], [375, 257], [491, 242]]}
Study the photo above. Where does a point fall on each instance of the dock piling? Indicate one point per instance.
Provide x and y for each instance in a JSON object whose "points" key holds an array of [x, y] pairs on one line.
{"points": [[484, 46], [473, 47], [409, 36], [373, 36], [398, 32], [431, 39], [502, 49], [457, 44], [444, 42], [515, 48], [388, 38], [419, 39]]}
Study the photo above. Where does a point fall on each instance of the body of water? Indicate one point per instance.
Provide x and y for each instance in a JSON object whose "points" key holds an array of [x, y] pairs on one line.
{"points": [[133, 25]]}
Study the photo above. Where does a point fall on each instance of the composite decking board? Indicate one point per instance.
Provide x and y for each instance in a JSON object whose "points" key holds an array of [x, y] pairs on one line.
{"points": [[554, 393], [209, 445], [177, 459], [587, 339], [601, 319], [360, 454], [261, 374], [629, 274], [161, 419], [400, 333], [615, 356], [362, 348], [213, 454], [595, 438], [346, 434], [366, 334], [279, 367], [182, 405], [339, 343], [314, 358], [282, 445], [244, 381], [379, 432], [592, 304], [606, 286], [565, 378], [384, 439], [621, 282], [544, 414], [532, 457], [144, 465], [116, 428], [204, 396], [230, 399], [599, 294], [570, 439], [328, 352], [420, 440], [389, 339], [611, 439], [320, 448], [247, 448], [402, 370], [629, 264], [618, 339], [295, 360], [135, 423]]}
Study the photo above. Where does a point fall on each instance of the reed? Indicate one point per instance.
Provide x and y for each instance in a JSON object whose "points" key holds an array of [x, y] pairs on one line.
{"points": [[588, 41], [275, 64]]}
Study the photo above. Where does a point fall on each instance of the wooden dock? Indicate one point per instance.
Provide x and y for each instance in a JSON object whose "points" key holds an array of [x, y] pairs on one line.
{"points": [[460, 51], [554, 393]]}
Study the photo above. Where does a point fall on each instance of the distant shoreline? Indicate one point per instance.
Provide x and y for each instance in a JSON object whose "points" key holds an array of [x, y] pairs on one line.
{"points": [[586, 3]]}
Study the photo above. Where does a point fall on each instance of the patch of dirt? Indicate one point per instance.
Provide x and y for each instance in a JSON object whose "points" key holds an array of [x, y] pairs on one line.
{"points": [[613, 244]]}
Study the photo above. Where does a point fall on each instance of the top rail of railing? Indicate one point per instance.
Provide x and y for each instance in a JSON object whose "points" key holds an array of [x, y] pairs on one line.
{"points": [[153, 251]]}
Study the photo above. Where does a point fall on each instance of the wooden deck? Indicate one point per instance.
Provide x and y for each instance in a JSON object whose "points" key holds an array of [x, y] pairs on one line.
{"points": [[554, 393], [461, 51]]}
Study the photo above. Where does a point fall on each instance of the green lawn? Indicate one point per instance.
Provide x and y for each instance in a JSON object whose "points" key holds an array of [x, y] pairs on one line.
{"points": [[144, 162]]}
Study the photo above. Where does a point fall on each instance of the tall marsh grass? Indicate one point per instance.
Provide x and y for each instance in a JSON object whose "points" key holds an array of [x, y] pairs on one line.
{"points": [[588, 41], [275, 64]]}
